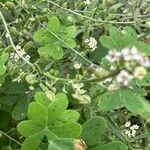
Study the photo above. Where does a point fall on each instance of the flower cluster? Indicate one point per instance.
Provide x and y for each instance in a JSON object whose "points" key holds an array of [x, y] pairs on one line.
{"points": [[92, 43], [21, 53], [80, 93], [131, 130], [129, 55], [134, 64]]}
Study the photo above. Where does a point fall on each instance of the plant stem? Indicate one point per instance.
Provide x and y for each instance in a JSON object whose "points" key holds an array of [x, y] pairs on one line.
{"points": [[92, 19], [82, 81], [10, 138]]}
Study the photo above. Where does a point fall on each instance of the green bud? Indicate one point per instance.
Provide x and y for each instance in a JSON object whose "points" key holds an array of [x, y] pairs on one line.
{"points": [[28, 46], [52, 72], [13, 31], [9, 5], [31, 79]]}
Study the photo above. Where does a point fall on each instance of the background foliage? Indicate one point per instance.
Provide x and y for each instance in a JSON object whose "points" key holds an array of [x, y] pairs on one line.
{"points": [[48, 96]]}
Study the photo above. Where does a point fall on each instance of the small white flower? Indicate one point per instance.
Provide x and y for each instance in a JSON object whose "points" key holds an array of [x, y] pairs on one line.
{"points": [[140, 72], [107, 80], [92, 43], [145, 61], [7, 35], [113, 87], [77, 85], [123, 78], [134, 127], [133, 133], [77, 65], [86, 40], [27, 57], [18, 47], [87, 2], [113, 56], [128, 54], [128, 133], [127, 124]]}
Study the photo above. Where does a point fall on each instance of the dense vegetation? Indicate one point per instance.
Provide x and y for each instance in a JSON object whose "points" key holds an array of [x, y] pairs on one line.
{"points": [[75, 74]]}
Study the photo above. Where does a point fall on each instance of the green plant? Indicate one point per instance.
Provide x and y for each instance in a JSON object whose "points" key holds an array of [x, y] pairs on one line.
{"points": [[74, 75]]}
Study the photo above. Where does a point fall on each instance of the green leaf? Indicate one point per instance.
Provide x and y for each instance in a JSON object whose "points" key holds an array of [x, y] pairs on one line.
{"points": [[57, 53], [53, 24], [37, 112], [69, 43], [43, 37], [2, 69], [110, 101], [69, 115], [56, 108], [115, 34], [116, 145], [48, 120], [146, 113], [124, 96], [51, 50], [131, 31], [143, 47], [119, 40], [29, 128], [41, 98], [71, 31], [4, 57], [107, 42], [46, 50], [132, 101], [32, 142], [69, 130], [20, 110], [61, 144], [92, 131]]}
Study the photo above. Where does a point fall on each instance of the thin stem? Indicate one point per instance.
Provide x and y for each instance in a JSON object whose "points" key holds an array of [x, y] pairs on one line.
{"points": [[89, 18], [10, 138], [82, 81]]}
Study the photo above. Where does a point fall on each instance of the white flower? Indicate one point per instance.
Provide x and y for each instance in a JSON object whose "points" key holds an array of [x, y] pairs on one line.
{"points": [[127, 124], [133, 133], [77, 85], [77, 65], [113, 87], [92, 43], [128, 133], [7, 35], [145, 61], [113, 56], [87, 2], [140, 72], [123, 78], [107, 80], [128, 54], [18, 47], [27, 57], [134, 127]]}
